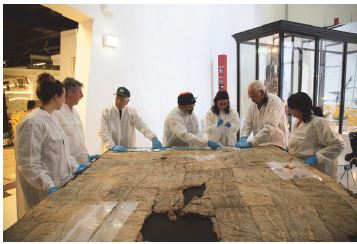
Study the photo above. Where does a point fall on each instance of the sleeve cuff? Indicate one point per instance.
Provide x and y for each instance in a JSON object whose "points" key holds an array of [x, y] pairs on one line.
{"points": [[49, 186], [252, 142]]}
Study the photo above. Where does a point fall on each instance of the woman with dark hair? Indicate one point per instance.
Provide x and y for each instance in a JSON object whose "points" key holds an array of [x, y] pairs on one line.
{"points": [[221, 122], [43, 161], [312, 138]]}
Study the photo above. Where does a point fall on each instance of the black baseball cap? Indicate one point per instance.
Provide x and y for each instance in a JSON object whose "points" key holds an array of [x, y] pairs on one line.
{"points": [[186, 98], [123, 92]]}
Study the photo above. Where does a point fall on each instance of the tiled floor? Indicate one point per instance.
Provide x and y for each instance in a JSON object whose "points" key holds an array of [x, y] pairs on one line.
{"points": [[9, 208], [9, 198], [9, 187]]}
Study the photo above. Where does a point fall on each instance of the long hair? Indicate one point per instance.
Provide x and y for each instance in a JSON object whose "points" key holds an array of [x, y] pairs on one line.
{"points": [[221, 95], [303, 103]]}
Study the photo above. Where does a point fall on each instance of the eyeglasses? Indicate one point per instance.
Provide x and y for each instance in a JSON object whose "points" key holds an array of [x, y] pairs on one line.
{"points": [[78, 91], [190, 106], [123, 99], [222, 103], [254, 96]]}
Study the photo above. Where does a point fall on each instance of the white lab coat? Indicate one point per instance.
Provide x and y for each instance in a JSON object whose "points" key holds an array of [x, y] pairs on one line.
{"points": [[42, 158], [222, 134], [181, 129], [269, 124], [115, 131], [72, 125], [317, 138]]}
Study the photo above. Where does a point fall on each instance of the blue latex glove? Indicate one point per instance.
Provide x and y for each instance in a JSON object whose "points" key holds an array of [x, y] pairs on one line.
{"points": [[156, 144], [93, 157], [219, 122], [52, 190], [311, 160], [81, 167], [228, 124], [212, 144], [244, 138], [242, 143], [119, 149]]}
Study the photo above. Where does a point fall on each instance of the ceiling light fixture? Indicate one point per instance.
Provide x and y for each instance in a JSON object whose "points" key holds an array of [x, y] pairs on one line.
{"points": [[110, 41], [39, 64]]}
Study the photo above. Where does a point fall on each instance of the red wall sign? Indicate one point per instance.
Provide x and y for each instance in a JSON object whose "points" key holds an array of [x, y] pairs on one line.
{"points": [[222, 72]]}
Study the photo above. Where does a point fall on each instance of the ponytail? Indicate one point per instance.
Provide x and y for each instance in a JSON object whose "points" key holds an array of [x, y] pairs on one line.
{"points": [[317, 111]]}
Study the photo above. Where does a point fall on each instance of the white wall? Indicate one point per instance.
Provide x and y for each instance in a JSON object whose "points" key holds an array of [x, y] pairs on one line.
{"points": [[322, 14], [164, 50], [68, 53], [82, 69]]}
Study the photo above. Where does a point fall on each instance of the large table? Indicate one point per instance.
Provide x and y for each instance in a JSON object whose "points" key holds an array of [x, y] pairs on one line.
{"points": [[237, 194]]}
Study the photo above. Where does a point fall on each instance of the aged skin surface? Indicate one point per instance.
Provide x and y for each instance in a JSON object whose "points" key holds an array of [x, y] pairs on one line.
{"points": [[243, 198]]}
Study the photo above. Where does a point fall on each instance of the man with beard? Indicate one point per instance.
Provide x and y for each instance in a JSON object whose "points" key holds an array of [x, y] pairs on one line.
{"points": [[181, 125]]}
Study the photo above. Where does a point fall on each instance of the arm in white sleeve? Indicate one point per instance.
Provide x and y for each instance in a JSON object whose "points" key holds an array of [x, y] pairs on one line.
{"points": [[74, 164], [235, 122], [30, 140], [196, 126], [104, 132], [248, 123], [181, 132], [142, 127], [210, 123], [332, 141], [72, 160], [274, 113]]}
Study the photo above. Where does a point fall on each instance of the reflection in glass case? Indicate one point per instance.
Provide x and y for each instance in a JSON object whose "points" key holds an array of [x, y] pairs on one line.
{"points": [[17, 91], [319, 61]]}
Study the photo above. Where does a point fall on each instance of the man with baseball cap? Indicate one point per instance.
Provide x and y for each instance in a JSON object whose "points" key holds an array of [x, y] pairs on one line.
{"points": [[181, 125], [118, 124]]}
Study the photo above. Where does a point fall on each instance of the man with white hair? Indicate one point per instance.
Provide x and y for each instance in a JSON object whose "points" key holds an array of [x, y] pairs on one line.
{"points": [[266, 118]]}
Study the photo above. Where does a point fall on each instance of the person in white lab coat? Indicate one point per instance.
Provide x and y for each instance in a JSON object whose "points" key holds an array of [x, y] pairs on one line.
{"points": [[312, 137], [43, 160], [71, 123], [118, 124], [221, 122], [181, 125], [266, 118]]}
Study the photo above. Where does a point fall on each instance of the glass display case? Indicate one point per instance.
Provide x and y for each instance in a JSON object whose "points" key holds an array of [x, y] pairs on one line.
{"points": [[319, 61]]}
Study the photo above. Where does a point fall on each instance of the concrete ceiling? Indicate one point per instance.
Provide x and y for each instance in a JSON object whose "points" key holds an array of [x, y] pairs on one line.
{"points": [[31, 29]]}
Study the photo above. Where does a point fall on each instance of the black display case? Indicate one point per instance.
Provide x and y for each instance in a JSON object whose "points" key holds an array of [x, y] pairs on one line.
{"points": [[319, 61]]}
